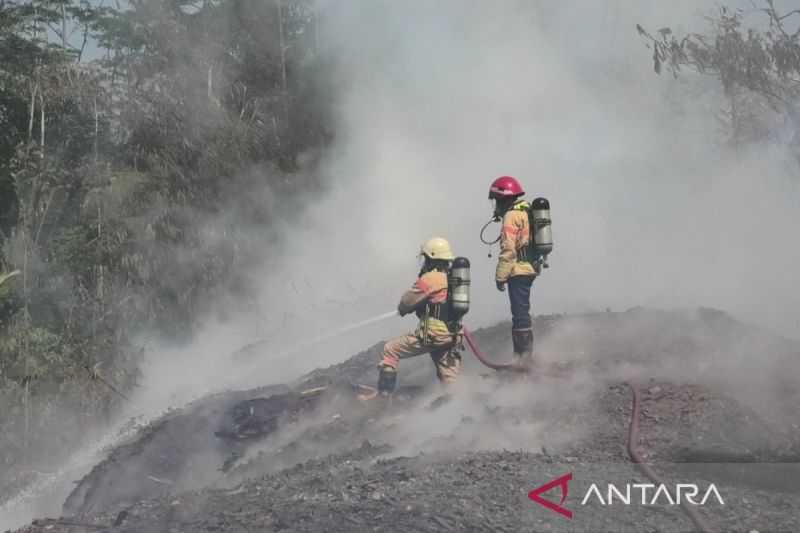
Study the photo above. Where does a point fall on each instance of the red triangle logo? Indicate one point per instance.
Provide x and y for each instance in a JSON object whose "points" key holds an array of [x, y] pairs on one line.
{"points": [[562, 482]]}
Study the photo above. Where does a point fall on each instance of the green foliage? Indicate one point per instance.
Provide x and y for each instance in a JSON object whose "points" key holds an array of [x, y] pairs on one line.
{"points": [[759, 70], [126, 182], [5, 278]]}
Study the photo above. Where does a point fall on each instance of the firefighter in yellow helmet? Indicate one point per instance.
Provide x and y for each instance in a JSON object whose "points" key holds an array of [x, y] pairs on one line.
{"points": [[435, 333]]}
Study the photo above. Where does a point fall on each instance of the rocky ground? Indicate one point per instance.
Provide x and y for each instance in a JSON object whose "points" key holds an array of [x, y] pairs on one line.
{"points": [[718, 406]]}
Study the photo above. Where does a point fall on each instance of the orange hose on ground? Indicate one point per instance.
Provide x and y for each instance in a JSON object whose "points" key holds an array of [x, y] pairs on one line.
{"points": [[636, 457], [633, 431], [483, 359]]}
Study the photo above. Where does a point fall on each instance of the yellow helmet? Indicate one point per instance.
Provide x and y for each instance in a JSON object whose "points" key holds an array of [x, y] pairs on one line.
{"points": [[437, 248]]}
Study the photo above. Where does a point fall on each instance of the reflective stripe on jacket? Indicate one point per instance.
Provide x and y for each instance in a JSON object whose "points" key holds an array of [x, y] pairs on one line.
{"points": [[514, 237], [430, 287]]}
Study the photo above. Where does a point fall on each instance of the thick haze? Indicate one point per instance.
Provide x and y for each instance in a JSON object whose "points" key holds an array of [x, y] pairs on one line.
{"points": [[649, 208], [436, 99], [433, 101]]}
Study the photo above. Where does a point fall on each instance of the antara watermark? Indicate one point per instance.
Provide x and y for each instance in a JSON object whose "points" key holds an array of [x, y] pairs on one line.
{"points": [[631, 494]]}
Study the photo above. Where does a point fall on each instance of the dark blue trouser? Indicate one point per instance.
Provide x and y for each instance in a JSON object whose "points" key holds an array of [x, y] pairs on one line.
{"points": [[519, 293]]}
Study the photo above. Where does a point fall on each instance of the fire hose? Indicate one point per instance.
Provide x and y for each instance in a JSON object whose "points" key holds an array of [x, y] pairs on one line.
{"points": [[633, 430], [647, 470], [483, 359], [513, 367]]}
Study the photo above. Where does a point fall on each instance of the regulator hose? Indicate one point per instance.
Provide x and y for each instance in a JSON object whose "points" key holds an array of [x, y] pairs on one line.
{"points": [[483, 230]]}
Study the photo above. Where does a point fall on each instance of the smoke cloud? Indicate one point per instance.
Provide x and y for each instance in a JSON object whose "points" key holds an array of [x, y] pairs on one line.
{"points": [[650, 206], [433, 100]]}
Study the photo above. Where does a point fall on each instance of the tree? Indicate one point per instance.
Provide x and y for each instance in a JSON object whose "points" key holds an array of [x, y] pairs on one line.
{"points": [[115, 172], [759, 70]]}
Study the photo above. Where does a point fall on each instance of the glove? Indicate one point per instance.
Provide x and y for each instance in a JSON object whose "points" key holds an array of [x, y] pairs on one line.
{"points": [[501, 285]]}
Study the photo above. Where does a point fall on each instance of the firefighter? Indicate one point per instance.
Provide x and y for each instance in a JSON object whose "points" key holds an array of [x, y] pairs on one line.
{"points": [[436, 333], [514, 268]]}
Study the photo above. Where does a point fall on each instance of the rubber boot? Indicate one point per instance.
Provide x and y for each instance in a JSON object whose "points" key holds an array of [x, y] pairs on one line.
{"points": [[448, 368], [523, 346], [387, 380]]}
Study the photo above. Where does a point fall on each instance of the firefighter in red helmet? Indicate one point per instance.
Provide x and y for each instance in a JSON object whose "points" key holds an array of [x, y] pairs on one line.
{"points": [[514, 268]]}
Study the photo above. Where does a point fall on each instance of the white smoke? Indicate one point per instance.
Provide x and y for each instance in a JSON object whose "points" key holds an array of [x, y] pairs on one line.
{"points": [[650, 207], [436, 99]]}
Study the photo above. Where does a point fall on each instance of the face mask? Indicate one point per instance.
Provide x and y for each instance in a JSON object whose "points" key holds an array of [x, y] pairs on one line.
{"points": [[499, 209]]}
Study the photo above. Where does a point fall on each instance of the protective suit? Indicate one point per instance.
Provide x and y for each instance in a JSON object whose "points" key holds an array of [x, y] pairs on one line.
{"points": [[434, 334], [515, 269], [514, 240]]}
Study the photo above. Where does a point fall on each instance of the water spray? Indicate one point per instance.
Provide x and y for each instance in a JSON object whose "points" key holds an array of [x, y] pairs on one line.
{"points": [[330, 335], [339, 331]]}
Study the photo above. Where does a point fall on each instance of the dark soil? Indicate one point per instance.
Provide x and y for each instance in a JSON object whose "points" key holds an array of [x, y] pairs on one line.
{"points": [[309, 457]]}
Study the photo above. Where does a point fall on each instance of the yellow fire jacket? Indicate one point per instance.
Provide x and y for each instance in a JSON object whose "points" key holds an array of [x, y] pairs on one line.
{"points": [[514, 237], [430, 287]]}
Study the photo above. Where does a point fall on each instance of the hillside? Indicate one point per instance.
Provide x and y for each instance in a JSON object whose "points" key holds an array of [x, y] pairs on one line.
{"points": [[307, 456]]}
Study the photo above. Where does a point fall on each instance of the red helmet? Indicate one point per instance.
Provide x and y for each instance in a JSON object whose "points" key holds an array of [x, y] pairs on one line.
{"points": [[505, 187]]}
